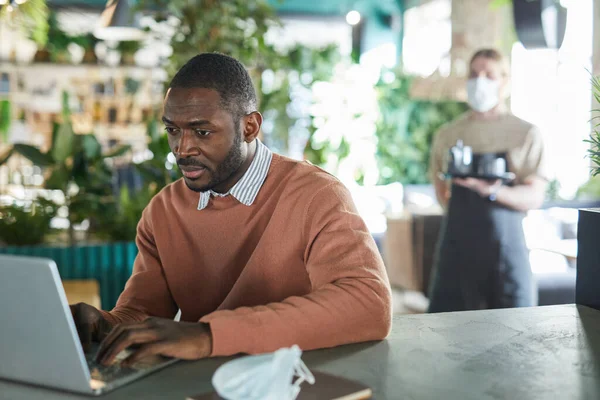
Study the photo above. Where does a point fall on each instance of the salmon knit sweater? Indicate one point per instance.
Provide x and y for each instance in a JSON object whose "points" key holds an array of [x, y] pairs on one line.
{"points": [[298, 266]]}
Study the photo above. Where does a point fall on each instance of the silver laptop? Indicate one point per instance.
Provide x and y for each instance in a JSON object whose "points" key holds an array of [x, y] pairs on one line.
{"points": [[39, 344]]}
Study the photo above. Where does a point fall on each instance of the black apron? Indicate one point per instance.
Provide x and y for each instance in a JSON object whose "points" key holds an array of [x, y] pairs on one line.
{"points": [[482, 260]]}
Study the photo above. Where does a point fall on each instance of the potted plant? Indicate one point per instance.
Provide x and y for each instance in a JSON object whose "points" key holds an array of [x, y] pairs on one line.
{"points": [[5, 119], [88, 42], [26, 224], [128, 48], [56, 48], [588, 229], [74, 165], [405, 129], [29, 17]]}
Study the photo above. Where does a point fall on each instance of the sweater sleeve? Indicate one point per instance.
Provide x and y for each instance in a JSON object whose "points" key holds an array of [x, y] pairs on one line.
{"points": [[146, 292], [350, 299]]}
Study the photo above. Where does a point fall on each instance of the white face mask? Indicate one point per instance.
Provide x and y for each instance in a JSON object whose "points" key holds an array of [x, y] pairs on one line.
{"points": [[263, 377], [483, 93]]}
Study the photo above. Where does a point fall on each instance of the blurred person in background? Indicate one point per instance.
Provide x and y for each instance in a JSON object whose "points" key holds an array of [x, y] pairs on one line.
{"points": [[482, 260]]}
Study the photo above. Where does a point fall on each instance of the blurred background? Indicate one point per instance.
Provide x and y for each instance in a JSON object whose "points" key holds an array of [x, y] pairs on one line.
{"points": [[358, 87]]}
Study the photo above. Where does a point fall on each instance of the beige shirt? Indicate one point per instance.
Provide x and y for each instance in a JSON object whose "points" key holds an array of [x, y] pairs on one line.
{"points": [[520, 140]]}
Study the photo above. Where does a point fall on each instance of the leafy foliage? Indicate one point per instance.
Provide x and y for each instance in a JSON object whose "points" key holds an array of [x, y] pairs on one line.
{"points": [[594, 141], [590, 189], [76, 166], [31, 17], [121, 223], [233, 27], [303, 67], [154, 172], [405, 130], [26, 224], [238, 28], [5, 119]]}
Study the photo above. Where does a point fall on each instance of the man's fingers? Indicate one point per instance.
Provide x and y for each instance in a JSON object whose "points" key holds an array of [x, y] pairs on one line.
{"points": [[114, 333], [84, 329], [126, 338], [109, 339], [144, 351], [102, 331]]}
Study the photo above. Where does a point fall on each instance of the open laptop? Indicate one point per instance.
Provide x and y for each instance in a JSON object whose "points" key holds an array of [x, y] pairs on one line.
{"points": [[39, 344]]}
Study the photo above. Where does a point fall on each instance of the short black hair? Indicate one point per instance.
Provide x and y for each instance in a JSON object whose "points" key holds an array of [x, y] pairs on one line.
{"points": [[222, 73]]}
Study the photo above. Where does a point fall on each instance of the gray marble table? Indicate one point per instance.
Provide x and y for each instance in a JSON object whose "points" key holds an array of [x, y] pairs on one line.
{"points": [[530, 353]]}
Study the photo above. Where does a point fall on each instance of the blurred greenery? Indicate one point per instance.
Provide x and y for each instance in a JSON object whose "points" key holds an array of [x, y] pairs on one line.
{"points": [[406, 128], [31, 17], [5, 119], [552, 191], [155, 174], [26, 224], [76, 166], [55, 48], [125, 211], [88, 41], [121, 223], [280, 97], [590, 190], [233, 27], [128, 48], [594, 140], [238, 28]]}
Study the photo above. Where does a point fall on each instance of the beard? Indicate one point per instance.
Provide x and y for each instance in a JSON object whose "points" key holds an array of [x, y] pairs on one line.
{"points": [[229, 166]]}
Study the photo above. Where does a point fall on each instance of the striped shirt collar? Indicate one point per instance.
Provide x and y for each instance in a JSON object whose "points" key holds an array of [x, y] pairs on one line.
{"points": [[247, 188]]}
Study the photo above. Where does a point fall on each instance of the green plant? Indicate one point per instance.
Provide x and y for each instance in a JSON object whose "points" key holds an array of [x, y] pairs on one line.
{"points": [[553, 190], [154, 171], [405, 129], [303, 67], [57, 42], [126, 210], [74, 165], [589, 190], [128, 48], [22, 225], [594, 140], [88, 42], [121, 223], [5, 119], [31, 17], [233, 27], [238, 28]]}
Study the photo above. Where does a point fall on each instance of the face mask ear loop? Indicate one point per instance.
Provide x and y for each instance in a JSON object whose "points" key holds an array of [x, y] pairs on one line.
{"points": [[303, 372]]}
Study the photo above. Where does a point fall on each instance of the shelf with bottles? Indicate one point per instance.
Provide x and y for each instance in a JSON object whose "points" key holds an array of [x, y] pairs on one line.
{"points": [[98, 95]]}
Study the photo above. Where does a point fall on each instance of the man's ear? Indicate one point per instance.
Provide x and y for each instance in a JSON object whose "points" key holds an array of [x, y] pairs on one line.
{"points": [[251, 126]]}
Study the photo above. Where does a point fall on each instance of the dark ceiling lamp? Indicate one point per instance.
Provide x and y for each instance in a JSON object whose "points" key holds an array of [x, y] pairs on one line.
{"points": [[119, 22], [540, 24]]}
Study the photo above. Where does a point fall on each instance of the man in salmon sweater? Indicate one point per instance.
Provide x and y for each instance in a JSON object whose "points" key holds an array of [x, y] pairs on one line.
{"points": [[258, 251]]}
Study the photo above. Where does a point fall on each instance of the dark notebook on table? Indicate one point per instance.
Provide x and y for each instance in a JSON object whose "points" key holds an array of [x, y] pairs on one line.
{"points": [[326, 387]]}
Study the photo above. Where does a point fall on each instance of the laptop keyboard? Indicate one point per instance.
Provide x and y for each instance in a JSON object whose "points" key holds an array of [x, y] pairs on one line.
{"points": [[114, 371], [111, 372]]}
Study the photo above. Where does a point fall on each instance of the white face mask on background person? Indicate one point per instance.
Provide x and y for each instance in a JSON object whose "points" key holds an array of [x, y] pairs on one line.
{"points": [[483, 93]]}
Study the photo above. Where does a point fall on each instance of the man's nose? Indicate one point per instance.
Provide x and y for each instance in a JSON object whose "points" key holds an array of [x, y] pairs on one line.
{"points": [[187, 145]]}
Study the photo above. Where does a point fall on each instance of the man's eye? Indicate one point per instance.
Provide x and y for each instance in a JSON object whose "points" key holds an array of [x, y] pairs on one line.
{"points": [[202, 132], [171, 131]]}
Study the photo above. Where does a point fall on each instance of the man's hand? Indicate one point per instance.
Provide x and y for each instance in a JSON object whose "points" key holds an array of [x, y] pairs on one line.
{"points": [[154, 336], [482, 187], [91, 325]]}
